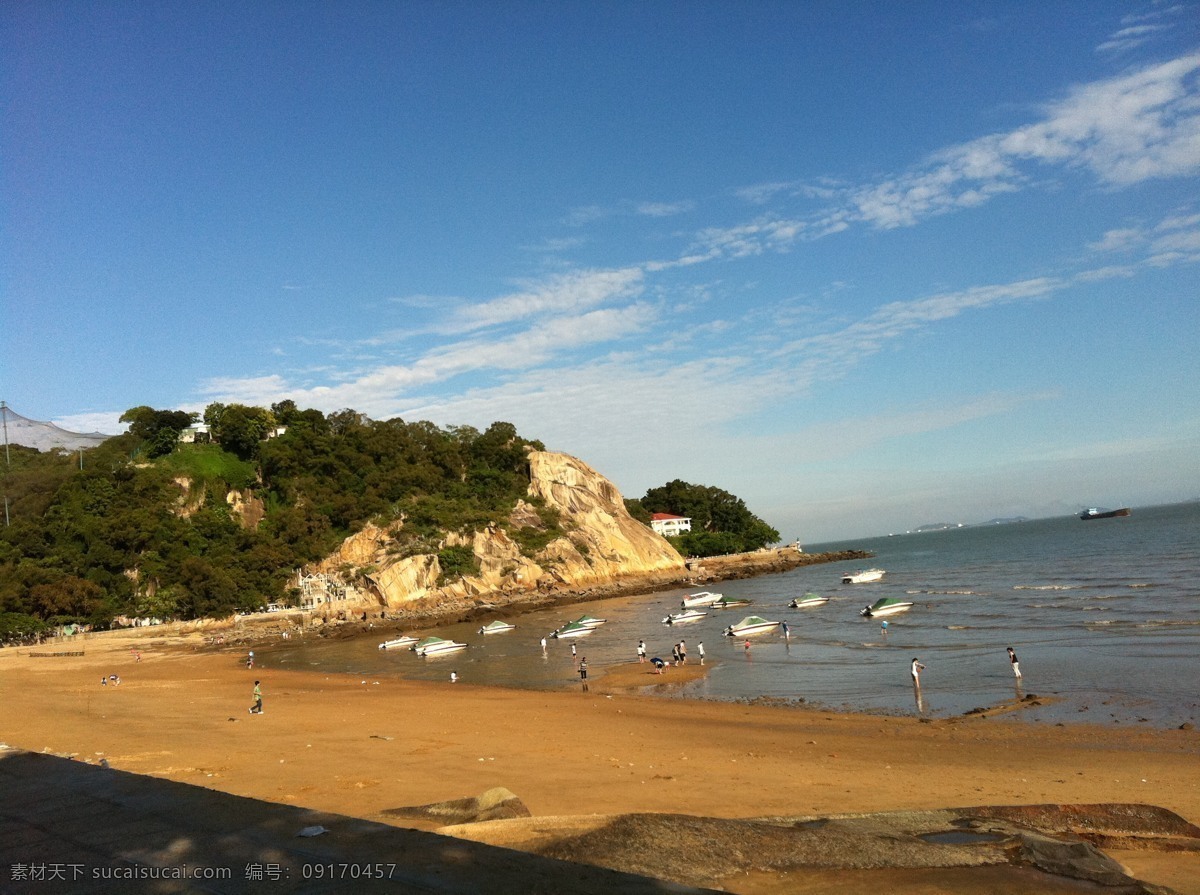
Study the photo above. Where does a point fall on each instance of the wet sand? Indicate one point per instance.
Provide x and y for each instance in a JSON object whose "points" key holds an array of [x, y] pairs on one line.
{"points": [[359, 746]]}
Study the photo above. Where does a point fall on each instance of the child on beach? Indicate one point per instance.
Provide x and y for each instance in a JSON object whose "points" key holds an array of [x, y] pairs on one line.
{"points": [[257, 708]]}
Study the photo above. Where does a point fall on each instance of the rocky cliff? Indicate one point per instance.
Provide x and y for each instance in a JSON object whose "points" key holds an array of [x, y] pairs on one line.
{"points": [[602, 544]]}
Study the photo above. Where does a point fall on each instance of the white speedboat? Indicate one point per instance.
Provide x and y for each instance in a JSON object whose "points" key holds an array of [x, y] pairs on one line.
{"points": [[435, 646], [497, 627], [703, 598], [589, 621], [863, 576], [682, 618], [885, 606], [573, 629], [404, 640], [751, 624], [808, 601], [730, 602]]}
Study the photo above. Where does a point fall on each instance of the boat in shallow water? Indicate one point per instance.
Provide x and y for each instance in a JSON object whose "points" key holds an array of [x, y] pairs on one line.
{"points": [[731, 602], [750, 625], [885, 606], [703, 598], [589, 621], [573, 629], [497, 627], [863, 576], [398, 642], [682, 618], [808, 601], [434, 646]]}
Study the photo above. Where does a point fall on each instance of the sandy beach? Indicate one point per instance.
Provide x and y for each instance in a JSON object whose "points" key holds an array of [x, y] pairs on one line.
{"points": [[360, 746]]}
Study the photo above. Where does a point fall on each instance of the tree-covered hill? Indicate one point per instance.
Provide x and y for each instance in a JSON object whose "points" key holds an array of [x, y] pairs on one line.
{"points": [[142, 526], [721, 522]]}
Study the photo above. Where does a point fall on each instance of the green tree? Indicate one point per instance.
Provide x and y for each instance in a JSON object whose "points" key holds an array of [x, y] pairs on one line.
{"points": [[721, 522], [239, 429]]}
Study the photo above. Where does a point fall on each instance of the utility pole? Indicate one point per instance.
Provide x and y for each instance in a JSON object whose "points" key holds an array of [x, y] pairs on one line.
{"points": [[7, 461]]}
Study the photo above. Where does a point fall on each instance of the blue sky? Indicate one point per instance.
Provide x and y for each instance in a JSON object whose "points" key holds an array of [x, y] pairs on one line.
{"points": [[867, 266]]}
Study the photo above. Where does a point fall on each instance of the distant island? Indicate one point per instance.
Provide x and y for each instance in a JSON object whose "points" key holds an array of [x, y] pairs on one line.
{"points": [[945, 526]]}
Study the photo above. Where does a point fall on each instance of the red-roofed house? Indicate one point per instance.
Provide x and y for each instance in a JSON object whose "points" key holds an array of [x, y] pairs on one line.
{"points": [[669, 526]]}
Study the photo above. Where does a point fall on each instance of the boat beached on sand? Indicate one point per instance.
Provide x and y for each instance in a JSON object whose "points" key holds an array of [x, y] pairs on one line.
{"points": [[885, 606], [751, 624], [433, 646], [703, 598], [863, 576], [403, 640], [497, 627], [808, 601]]}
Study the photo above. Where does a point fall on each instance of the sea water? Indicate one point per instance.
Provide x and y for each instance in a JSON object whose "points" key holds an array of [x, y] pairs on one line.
{"points": [[1104, 616]]}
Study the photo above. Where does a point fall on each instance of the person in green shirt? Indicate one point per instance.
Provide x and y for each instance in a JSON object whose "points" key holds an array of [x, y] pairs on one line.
{"points": [[256, 709]]}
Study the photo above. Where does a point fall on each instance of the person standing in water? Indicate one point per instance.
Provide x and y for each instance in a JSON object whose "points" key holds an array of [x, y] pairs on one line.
{"points": [[700, 651], [641, 651], [583, 673], [917, 668], [1016, 666]]}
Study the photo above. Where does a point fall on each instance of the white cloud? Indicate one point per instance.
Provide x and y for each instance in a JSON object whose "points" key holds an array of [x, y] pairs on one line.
{"points": [[1139, 126], [1121, 240], [566, 293], [664, 209], [1129, 38]]}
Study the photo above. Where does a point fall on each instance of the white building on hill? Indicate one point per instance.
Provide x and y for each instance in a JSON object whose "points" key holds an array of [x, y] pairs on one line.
{"points": [[668, 526]]}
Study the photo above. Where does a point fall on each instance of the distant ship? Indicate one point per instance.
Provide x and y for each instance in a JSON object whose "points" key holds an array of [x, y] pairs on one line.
{"points": [[1096, 513]]}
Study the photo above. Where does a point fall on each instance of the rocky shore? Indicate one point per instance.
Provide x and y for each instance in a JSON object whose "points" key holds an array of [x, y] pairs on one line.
{"points": [[444, 609]]}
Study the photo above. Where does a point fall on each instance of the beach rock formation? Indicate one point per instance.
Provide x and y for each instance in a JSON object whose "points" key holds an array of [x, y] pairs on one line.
{"points": [[602, 544], [495, 804]]}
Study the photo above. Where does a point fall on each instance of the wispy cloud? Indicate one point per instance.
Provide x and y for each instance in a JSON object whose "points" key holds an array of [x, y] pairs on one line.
{"points": [[1140, 28], [1139, 126], [1129, 38], [1174, 240], [857, 433], [565, 293], [664, 209], [831, 355]]}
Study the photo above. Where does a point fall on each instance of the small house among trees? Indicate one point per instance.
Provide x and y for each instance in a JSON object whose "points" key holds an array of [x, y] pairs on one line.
{"points": [[669, 525]]}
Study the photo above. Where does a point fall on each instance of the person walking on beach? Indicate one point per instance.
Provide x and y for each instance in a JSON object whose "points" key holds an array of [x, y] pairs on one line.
{"points": [[256, 709], [641, 651], [1016, 666], [682, 653], [700, 651], [917, 668], [572, 651], [675, 654], [583, 673]]}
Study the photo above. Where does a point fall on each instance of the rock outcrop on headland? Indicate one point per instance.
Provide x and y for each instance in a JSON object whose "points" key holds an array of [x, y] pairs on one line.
{"points": [[602, 545]]}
